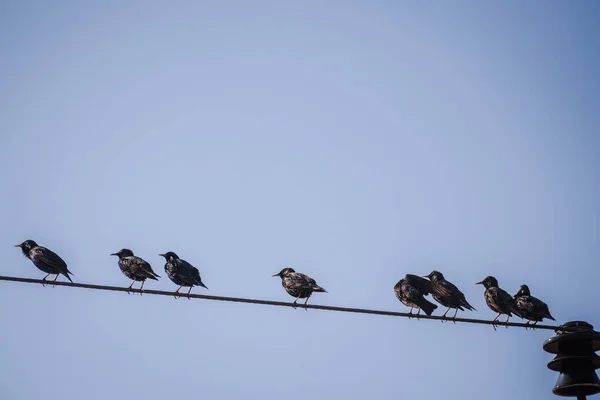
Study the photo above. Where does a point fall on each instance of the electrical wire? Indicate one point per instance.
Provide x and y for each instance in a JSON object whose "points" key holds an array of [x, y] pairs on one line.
{"points": [[277, 303]]}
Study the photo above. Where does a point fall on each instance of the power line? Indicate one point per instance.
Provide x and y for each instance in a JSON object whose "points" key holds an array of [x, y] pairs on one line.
{"points": [[273, 303]]}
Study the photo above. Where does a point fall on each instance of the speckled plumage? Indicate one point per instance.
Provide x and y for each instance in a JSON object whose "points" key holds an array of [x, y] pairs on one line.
{"points": [[498, 299], [45, 259], [531, 308], [298, 285], [134, 267], [412, 289], [456, 299], [181, 272]]}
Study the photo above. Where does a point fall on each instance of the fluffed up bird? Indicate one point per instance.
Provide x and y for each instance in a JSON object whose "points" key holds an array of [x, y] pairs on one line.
{"points": [[531, 308], [181, 272], [134, 267], [456, 299], [412, 289], [298, 285], [45, 259], [498, 300]]}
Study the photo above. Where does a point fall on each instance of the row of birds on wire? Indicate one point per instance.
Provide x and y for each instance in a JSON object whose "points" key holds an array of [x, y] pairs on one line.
{"points": [[411, 290]]}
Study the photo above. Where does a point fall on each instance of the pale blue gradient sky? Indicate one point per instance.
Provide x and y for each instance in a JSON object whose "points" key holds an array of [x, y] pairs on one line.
{"points": [[355, 141]]}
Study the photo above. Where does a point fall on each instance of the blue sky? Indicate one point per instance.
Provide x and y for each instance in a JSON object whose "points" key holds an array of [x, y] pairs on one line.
{"points": [[354, 141]]}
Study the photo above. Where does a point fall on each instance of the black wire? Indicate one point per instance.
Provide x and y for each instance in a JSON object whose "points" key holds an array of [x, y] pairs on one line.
{"points": [[276, 303]]}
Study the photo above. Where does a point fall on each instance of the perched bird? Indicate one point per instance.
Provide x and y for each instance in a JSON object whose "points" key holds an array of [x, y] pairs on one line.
{"points": [[498, 300], [134, 267], [298, 285], [411, 290], [45, 259], [531, 308], [181, 272], [456, 299]]}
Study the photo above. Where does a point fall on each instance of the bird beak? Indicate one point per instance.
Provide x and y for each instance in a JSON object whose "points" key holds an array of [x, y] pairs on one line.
{"points": [[162, 255], [114, 254], [17, 245], [479, 283], [425, 276], [275, 275]]}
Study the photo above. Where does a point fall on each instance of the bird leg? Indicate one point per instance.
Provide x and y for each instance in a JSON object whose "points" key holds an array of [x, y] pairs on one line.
{"points": [[44, 278], [306, 301], [188, 293], [177, 291], [128, 289], [142, 287], [54, 280], [454, 318], [410, 312], [444, 316], [495, 319], [507, 318], [294, 306], [418, 312]]}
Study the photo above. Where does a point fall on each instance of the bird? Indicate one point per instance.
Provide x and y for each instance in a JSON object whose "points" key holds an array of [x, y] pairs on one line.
{"points": [[456, 299], [531, 308], [134, 267], [498, 299], [298, 285], [45, 259], [412, 289], [181, 272]]}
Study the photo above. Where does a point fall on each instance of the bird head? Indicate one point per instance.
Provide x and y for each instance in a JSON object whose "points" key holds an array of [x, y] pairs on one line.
{"points": [[435, 276], [123, 253], [284, 272], [488, 282], [523, 291], [27, 246], [169, 256]]}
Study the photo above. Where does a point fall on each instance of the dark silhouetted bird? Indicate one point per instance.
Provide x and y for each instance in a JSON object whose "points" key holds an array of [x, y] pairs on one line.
{"points": [[498, 300], [298, 285], [411, 290], [45, 259], [531, 308], [181, 272], [456, 299], [134, 267]]}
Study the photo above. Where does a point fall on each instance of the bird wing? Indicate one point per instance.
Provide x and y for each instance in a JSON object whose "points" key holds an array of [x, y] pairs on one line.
{"points": [[141, 267], [503, 297], [50, 258], [459, 295], [188, 273], [540, 307], [427, 287], [297, 280]]}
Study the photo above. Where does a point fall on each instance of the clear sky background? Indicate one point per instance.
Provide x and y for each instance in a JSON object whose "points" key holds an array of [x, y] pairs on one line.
{"points": [[355, 141]]}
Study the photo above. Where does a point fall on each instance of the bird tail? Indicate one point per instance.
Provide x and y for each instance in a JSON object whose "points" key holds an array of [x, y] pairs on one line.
{"points": [[67, 275], [549, 316], [515, 310], [427, 306], [152, 275], [317, 288], [203, 285], [466, 304]]}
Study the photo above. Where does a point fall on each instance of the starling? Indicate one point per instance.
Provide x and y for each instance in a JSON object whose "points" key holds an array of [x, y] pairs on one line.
{"points": [[45, 259], [181, 272], [456, 299], [531, 308], [411, 291], [298, 285], [134, 267], [498, 300]]}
